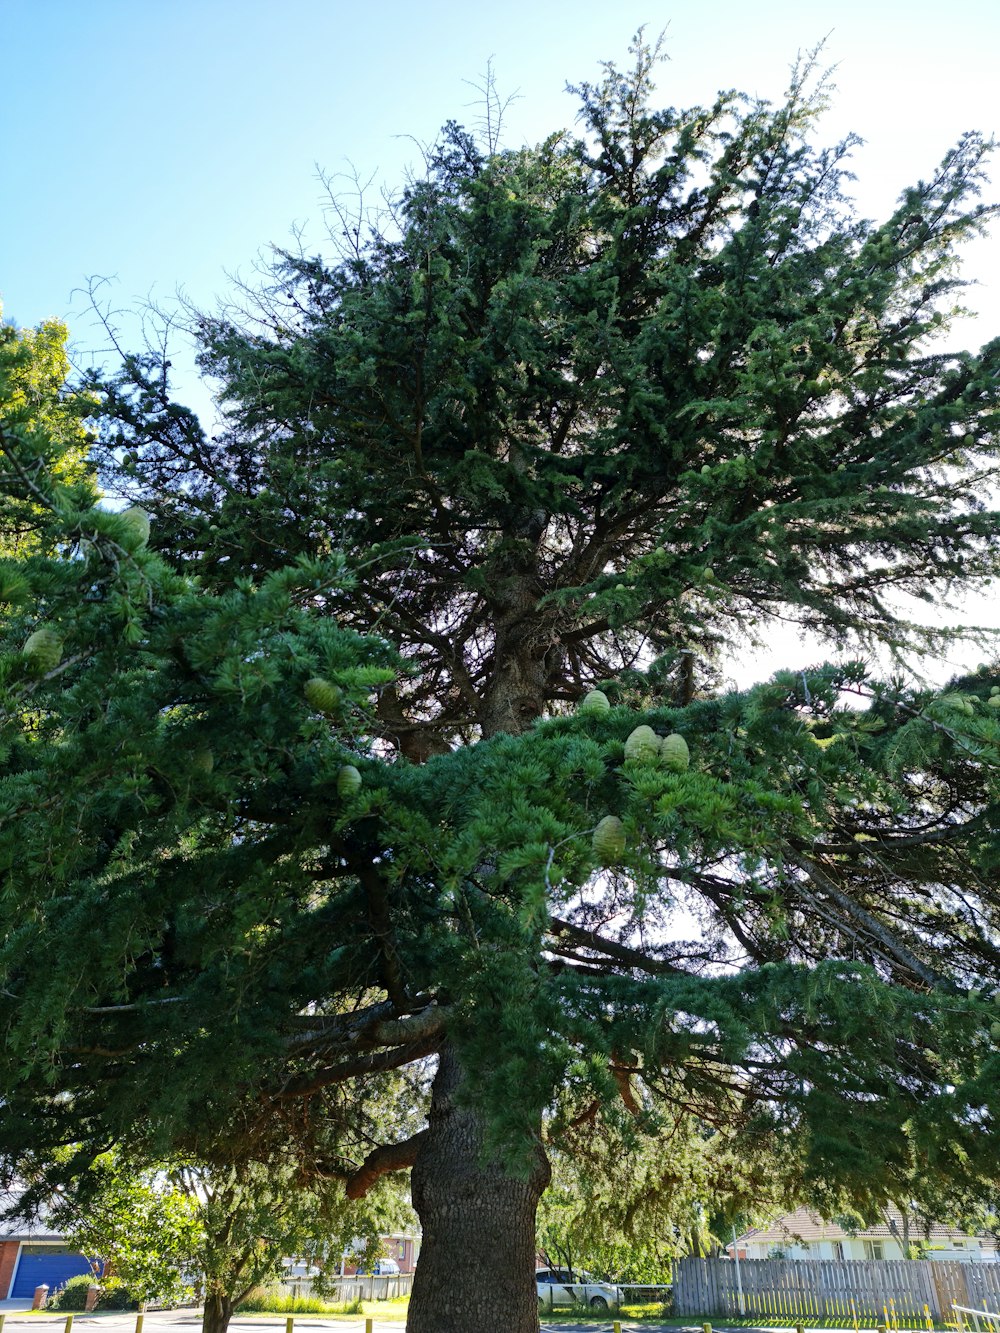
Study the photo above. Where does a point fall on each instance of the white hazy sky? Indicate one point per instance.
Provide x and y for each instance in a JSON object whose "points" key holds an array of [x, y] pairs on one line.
{"points": [[164, 143]]}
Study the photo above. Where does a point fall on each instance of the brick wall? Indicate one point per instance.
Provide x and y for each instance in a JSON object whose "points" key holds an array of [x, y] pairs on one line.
{"points": [[8, 1258]]}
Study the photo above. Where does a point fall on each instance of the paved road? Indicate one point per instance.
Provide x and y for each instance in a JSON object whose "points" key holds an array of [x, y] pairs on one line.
{"points": [[186, 1321]]}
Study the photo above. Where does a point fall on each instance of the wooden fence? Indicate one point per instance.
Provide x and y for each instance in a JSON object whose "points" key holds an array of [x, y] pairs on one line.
{"points": [[366, 1287], [852, 1291]]}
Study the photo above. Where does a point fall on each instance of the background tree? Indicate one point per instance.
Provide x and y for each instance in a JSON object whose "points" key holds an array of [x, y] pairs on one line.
{"points": [[256, 1217], [632, 1193], [145, 1231], [37, 401], [166, 1230], [577, 415]]}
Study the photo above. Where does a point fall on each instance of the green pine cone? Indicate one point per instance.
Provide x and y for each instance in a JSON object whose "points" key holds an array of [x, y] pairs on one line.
{"points": [[323, 696], [595, 702], [609, 841], [136, 527], [642, 746], [960, 703], [674, 753], [44, 648], [203, 760], [348, 781]]}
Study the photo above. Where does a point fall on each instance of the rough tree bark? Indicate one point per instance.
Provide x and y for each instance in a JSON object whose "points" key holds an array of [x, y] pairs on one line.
{"points": [[477, 1257], [218, 1312]]}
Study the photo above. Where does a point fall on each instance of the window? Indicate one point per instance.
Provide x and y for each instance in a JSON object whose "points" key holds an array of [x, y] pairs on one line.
{"points": [[873, 1249], [838, 1249]]}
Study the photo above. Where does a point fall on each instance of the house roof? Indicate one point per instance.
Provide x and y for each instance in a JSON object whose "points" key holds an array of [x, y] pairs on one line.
{"points": [[808, 1227], [37, 1229]]}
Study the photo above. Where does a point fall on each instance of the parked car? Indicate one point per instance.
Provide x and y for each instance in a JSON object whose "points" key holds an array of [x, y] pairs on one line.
{"points": [[381, 1269], [298, 1270], [561, 1286]]}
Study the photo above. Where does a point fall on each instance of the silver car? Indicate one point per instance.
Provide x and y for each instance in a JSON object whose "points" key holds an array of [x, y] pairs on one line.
{"points": [[561, 1286]]}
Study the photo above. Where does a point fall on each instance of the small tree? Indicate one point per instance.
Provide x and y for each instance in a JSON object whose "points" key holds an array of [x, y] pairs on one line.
{"points": [[146, 1231]]}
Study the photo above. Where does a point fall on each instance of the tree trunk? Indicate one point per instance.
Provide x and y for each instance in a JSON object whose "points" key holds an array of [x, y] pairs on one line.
{"points": [[476, 1272], [218, 1312]]}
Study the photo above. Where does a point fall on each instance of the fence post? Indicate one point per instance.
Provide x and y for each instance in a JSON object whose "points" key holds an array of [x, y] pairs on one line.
{"points": [[139, 1320], [69, 1323], [289, 1324], [369, 1325]]}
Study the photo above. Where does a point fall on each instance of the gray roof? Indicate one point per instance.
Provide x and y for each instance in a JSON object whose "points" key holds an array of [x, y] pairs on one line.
{"points": [[803, 1225], [37, 1229]]}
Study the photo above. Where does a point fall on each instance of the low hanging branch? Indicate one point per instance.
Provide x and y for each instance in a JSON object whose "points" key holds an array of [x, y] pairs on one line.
{"points": [[382, 1161]]}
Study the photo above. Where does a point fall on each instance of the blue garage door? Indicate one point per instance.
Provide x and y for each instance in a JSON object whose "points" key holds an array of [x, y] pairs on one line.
{"points": [[48, 1264]]}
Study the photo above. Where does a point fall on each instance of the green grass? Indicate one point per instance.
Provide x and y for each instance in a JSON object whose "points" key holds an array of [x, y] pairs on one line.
{"points": [[279, 1303]]}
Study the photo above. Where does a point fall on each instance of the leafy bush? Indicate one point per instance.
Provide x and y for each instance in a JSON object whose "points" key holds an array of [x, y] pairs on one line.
{"points": [[72, 1295], [117, 1296]]}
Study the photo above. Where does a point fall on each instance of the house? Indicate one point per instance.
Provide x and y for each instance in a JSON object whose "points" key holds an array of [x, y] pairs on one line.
{"points": [[402, 1247], [32, 1255], [804, 1235]]}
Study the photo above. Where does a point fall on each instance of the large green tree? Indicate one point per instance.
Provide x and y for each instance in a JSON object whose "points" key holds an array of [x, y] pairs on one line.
{"points": [[575, 415]]}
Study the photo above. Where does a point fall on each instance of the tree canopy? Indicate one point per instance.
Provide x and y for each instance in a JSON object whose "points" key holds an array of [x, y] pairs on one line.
{"points": [[565, 423]]}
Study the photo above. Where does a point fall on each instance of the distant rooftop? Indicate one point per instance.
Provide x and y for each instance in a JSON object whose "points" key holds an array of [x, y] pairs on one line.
{"points": [[808, 1227]]}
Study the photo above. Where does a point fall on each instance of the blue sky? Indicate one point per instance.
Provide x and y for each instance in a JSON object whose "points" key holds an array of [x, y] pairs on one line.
{"points": [[165, 143]]}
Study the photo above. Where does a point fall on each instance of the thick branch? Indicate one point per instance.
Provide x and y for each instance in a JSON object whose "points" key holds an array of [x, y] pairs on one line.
{"points": [[414, 1027], [623, 1081], [382, 1161], [875, 928], [375, 1063], [381, 924], [378, 1025]]}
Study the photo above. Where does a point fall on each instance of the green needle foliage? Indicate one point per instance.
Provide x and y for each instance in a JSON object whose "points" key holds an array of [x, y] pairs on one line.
{"points": [[573, 417]]}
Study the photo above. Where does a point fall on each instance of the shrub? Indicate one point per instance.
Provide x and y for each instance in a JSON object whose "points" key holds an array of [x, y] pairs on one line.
{"points": [[72, 1295], [117, 1296]]}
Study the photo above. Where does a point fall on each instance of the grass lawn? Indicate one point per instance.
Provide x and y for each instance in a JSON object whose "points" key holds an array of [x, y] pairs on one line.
{"points": [[274, 1307]]}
